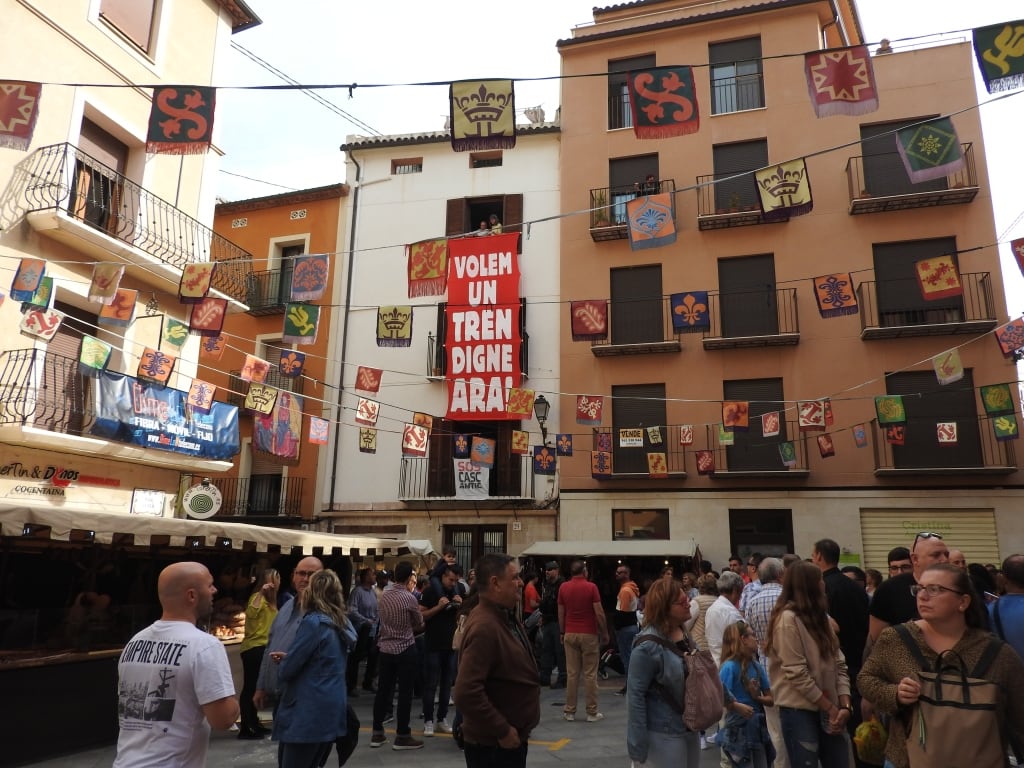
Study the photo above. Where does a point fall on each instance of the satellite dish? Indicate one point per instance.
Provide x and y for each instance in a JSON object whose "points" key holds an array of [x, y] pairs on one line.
{"points": [[202, 501]]}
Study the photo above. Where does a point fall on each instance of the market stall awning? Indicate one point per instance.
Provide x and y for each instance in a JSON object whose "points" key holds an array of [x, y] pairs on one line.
{"points": [[144, 530], [610, 548]]}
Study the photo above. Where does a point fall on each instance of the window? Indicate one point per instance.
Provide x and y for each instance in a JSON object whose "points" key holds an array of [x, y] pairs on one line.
{"points": [[266, 482], [884, 172], [736, 79], [440, 364], [506, 475], [748, 303], [636, 306], [97, 189], [639, 524], [63, 393], [472, 541], [931, 403], [132, 18], [465, 214], [637, 405], [751, 451], [730, 159], [485, 159], [625, 175], [619, 114], [407, 165], [768, 531], [899, 296]]}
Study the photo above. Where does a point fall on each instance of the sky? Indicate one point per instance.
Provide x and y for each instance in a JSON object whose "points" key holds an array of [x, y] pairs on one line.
{"points": [[405, 41]]}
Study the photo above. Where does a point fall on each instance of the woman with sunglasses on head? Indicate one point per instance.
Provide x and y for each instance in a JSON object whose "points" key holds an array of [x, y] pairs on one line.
{"points": [[744, 740], [952, 618], [808, 672]]}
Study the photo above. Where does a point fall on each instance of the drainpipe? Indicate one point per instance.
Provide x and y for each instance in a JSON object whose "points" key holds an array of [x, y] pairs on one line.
{"points": [[344, 333]]}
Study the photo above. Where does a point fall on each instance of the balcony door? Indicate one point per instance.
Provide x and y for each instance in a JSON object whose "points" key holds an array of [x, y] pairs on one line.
{"points": [[637, 405], [505, 476], [751, 451], [266, 481], [899, 295], [625, 177], [747, 295], [884, 172], [927, 403], [97, 189], [63, 402], [636, 305]]}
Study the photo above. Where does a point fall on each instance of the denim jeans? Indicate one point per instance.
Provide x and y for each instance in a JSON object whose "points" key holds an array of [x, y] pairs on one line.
{"points": [[807, 742], [624, 639], [439, 676], [395, 668], [552, 654], [478, 756], [673, 750]]}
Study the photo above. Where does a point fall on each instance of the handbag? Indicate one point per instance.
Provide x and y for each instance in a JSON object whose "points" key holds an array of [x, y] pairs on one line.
{"points": [[460, 626], [703, 697], [955, 722]]}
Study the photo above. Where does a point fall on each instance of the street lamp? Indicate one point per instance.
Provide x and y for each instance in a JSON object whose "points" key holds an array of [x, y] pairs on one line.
{"points": [[541, 407]]}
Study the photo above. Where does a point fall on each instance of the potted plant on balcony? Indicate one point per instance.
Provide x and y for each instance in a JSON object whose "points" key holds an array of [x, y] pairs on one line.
{"points": [[600, 213], [734, 202]]}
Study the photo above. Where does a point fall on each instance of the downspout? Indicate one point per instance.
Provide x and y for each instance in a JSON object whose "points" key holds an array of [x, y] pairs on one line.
{"points": [[344, 333]]}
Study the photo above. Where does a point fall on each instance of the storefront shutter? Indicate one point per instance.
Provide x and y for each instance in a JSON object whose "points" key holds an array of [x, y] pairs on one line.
{"points": [[971, 530]]}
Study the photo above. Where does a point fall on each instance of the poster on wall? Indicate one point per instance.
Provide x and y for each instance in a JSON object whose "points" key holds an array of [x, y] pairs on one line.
{"points": [[471, 480], [148, 502]]}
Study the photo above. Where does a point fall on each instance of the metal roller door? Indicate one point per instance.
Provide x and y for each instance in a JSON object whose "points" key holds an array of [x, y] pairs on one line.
{"points": [[972, 531]]}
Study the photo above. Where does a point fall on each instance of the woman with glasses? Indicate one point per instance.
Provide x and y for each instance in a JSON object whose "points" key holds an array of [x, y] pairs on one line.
{"points": [[952, 618], [808, 672], [744, 740]]}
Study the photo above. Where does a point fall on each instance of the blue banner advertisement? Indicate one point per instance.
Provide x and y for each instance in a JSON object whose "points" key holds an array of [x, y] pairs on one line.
{"points": [[132, 411]]}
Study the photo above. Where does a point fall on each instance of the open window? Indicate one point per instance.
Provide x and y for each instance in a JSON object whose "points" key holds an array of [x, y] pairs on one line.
{"points": [[466, 214]]}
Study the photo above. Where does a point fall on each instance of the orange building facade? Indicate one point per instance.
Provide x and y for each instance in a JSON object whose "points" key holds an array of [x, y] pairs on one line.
{"points": [[767, 345]]}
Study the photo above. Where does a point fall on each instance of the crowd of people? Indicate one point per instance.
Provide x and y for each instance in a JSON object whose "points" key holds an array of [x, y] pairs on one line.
{"points": [[805, 652]]}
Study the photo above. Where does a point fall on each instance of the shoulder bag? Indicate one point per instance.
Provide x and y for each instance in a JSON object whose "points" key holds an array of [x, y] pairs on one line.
{"points": [[703, 698]]}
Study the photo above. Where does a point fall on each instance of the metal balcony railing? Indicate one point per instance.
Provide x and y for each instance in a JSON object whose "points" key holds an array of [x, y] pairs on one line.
{"points": [[268, 292], [637, 327], [880, 183], [737, 93], [751, 453], [753, 318], [725, 204], [61, 177], [44, 390], [437, 356], [976, 450], [419, 481], [237, 386], [259, 495], [894, 308], [632, 462], [608, 220]]}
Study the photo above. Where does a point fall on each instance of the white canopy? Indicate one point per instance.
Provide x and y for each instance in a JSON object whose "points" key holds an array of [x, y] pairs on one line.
{"points": [[610, 548], [107, 527]]}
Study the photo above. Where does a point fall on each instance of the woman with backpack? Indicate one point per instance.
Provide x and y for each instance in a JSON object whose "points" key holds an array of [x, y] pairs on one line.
{"points": [[895, 677]]}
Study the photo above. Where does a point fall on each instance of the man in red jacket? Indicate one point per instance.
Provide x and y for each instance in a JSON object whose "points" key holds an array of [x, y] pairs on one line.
{"points": [[584, 633]]}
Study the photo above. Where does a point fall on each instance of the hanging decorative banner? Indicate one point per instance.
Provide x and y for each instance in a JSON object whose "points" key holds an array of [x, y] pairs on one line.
{"points": [[427, 267], [589, 320], [686, 434], [207, 318], [424, 420], [705, 462], [27, 279], [366, 412], [261, 398], [368, 379], [810, 416], [319, 431], [931, 150], [652, 221], [890, 410], [1000, 55], [657, 465], [483, 114], [1005, 427], [195, 281], [1010, 337], [414, 440], [300, 324], [829, 417], [280, 433], [40, 323], [589, 409], [896, 434], [997, 399], [787, 452], [19, 110], [472, 482], [664, 102], [826, 447], [835, 295], [771, 424], [42, 296], [841, 81], [860, 435], [544, 460], [200, 395], [291, 363], [784, 190], [175, 333], [600, 465], [520, 403], [460, 446], [106, 278], [938, 278], [690, 312], [93, 356], [945, 432], [310, 273], [725, 437], [654, 436], [394, 326], [948, 367], [254, 369], [632, 437], [121, 310], [367, 440], [1017, 249], [520, 442], [736, 415], [181, 120], [481, 451], [563, 444], [603, 439], [211, 349], [155, 366]]}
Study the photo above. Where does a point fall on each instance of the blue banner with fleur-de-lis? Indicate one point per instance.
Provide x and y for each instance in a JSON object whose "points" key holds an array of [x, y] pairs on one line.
{"points": [[563, 444], [652, 221], [543, 460], [460, 446], [690, 312]]}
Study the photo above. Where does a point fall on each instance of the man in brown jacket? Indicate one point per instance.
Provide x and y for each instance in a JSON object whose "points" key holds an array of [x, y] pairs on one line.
{"points": [[497, 687]]}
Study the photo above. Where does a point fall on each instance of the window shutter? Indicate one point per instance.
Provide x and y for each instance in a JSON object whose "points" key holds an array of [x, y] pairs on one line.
{"points": [[440, 352], [636, 405], [441, 477], [627, 171], [735, 50], [134, 19], [752, 451], [455, 218], [512, 218], [926, 403], [899, 296], [636, 305], [747, 301], [884, 172]]}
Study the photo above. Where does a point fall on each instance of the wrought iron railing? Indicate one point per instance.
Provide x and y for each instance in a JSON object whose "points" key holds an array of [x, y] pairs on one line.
{"points": [[64, 178], [736, 93], [620, 115], [639, 321], [437, 355], [751, 452], [418, 481], [718, 194], [608, 204], [884, 175], [259, 495], [889, 311], [237, 386], [764, 312], [975, 447], [44, 390], [268, 292], [632, 462]]}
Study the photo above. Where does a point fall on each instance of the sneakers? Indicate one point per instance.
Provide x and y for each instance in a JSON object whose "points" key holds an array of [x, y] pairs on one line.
{"points": [[428, 727], [621, 691], [443, 727], [703, 742], [389, 718], [569, 716], [406, 742], [597, 716], [378, 740]]}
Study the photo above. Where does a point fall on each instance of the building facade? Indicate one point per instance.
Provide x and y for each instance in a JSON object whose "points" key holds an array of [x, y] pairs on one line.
{"points": [[766, 345]]}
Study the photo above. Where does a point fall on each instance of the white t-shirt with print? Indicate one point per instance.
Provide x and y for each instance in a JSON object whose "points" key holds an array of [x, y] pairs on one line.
{"points": [[166, 673]]}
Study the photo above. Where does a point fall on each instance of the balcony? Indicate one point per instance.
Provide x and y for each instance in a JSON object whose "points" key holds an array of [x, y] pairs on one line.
{"points": [[752, 455], [77, 200], [631, 463], [880, 183], [267, 293], [638, 328], [426, 479], [608, 220], [437, 357], [721, 206], [900, 311], [237, 386], [259, 496], [46, 403], [977, 452], [744, 319]]}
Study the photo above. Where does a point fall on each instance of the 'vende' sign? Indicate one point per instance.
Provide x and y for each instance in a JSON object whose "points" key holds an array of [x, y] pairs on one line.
{"points": [[483, 326]]}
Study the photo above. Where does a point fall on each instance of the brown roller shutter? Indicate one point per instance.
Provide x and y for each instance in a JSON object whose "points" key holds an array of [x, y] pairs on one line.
{"points": [[455, 218], [133, 18]]}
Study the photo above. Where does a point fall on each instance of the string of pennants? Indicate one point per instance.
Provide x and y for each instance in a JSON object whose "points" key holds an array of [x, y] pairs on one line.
{"points": [[663, 100]]}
